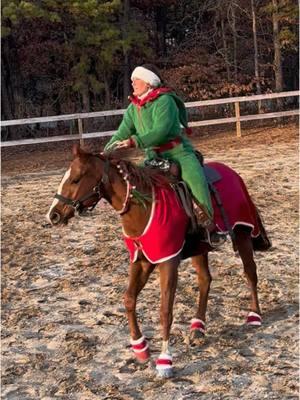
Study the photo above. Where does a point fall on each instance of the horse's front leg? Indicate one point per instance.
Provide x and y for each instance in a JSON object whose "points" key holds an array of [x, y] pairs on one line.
{"points": [[168, 283], [139, 273]]}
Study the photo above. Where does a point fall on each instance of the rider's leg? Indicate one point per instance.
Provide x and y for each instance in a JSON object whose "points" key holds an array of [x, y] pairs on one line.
{"points": [[193, 174]]}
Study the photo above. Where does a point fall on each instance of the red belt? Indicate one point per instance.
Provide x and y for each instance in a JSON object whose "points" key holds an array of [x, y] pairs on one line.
{"points": [[168, 146]]}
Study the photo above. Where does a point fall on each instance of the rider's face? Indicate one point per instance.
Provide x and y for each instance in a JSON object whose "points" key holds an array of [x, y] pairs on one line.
{"points": [[139, 87]]}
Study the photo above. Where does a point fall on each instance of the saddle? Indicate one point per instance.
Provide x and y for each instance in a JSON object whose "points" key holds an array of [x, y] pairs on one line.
{"points": [[193, 209]]}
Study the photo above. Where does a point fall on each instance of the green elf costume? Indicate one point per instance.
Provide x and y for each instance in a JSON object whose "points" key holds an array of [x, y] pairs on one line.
{"points": [[153, 123]]}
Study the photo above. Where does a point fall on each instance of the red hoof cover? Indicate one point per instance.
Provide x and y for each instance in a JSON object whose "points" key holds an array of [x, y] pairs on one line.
{"points": [[141, 349], [254, 319], [198, 325]]}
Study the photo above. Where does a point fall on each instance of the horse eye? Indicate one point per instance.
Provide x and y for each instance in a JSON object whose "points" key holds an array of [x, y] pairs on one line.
{"points": [[76, 181]]}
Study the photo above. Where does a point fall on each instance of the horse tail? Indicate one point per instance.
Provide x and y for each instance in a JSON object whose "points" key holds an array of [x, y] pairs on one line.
{"points": [[262, 241]]}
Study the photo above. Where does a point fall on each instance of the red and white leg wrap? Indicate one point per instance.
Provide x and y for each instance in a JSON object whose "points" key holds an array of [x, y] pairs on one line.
{"points": [[198, 325], [253, 319], [164, 363], [140, 348]]}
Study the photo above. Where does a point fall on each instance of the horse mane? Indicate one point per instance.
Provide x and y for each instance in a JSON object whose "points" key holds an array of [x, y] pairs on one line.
{"points": [[142, 177]]}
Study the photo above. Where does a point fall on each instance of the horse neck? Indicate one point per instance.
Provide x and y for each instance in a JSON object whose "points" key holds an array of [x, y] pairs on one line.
{"points": [[135, 218]]}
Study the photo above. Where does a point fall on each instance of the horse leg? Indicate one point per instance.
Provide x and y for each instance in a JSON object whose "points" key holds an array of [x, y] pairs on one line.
{"points": [[200, 263], [245, 249], [139, 273], [168, 283]]}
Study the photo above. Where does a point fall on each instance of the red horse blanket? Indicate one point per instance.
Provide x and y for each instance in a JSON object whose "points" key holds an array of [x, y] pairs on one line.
{"points": [[164, 235]]}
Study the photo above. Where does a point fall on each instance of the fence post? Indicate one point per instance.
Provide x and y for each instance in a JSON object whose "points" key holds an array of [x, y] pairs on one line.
{"points": [[80, 130], [238, 120]]}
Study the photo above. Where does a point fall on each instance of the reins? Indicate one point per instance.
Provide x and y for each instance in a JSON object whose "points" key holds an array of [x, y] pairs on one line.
{"points": [[129, 190], [78, 205], [97, 190]]}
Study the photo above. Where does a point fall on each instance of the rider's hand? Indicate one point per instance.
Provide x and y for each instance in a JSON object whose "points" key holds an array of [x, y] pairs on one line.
{"points": [[125, 144]]}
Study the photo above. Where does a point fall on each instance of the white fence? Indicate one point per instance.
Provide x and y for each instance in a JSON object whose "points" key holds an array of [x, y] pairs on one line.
{"points": [[237, 119]]}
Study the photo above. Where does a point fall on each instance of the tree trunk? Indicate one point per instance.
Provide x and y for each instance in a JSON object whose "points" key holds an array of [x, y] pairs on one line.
{"points": [[277, 50], [85, 100], [12, 99], [256, 67], [161, 23], [107, 91], [225, 48], [234, 41], [126, 79]]}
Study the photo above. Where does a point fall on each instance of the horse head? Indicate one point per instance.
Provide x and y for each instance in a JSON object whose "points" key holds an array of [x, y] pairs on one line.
{"points": [[81, 187]]}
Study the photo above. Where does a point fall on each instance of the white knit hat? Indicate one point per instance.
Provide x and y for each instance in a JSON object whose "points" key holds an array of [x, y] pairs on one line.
{"points": [[146, 75]]}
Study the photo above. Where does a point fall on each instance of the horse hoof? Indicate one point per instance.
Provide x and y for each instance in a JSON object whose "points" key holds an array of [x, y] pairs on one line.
{"points": [[143, 357], [165, 373], [164, 367], [196, 337], [197, 329], [253, 319], [141, 350]]}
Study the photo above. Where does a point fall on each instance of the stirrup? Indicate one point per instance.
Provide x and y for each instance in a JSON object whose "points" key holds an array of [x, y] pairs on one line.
{"points": [[216, 239]]}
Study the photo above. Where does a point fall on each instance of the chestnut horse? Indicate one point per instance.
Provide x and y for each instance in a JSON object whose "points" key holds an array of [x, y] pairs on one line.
{"points": [[130, 189]]}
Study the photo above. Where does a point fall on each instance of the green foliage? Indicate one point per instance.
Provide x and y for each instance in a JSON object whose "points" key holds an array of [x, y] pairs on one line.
{"points": [[69, 54], [288, 39], [288, 15]]}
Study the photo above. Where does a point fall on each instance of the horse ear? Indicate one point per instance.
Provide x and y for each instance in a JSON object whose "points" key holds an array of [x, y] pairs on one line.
{"points": [[77, 151]]}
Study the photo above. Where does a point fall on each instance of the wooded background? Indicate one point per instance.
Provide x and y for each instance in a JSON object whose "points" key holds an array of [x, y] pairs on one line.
{"points": [[72, 56]]}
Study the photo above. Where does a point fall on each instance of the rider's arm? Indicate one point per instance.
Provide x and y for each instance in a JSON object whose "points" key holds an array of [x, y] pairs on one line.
{"points": [[164, 114], [125, 130]]}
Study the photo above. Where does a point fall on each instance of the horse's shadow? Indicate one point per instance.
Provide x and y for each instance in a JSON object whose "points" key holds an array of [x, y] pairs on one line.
{"points": [[241, 335], [281, 312]]}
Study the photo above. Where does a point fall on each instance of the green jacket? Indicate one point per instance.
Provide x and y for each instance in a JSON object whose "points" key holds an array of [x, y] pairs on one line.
{"points": [[153, 124]]}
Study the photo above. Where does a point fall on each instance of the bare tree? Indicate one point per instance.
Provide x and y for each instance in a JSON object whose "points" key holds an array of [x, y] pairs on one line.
{"points": [[224, 39], [234, 33], [256, 66], [126, 86], [277, 50]]}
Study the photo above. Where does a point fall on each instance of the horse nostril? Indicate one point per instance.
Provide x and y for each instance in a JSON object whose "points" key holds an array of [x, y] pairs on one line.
{"points": [[55, 218]]}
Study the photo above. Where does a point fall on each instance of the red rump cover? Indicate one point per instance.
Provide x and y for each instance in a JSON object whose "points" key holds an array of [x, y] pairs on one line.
{"points": [[236, 200], [164, 235]]}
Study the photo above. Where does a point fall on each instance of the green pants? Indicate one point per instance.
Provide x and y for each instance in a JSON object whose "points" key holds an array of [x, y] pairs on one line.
{"points": [[192, 173]]}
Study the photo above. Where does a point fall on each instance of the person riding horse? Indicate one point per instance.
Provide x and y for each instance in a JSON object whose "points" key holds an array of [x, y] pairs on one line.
{"points": [[153, 122]]}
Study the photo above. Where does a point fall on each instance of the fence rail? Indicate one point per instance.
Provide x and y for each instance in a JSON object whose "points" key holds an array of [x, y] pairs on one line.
{"points": [[81, 116]]}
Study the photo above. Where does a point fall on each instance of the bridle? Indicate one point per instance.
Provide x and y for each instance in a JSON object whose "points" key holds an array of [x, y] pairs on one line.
{"points": [[98, 190]]}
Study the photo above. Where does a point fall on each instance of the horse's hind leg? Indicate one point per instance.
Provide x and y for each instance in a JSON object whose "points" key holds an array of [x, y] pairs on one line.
{"points": [[139, 273], [200, 263], [245, 249]]}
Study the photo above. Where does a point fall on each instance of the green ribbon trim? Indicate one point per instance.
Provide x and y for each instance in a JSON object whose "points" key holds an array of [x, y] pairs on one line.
{"points": [[141, 198]]}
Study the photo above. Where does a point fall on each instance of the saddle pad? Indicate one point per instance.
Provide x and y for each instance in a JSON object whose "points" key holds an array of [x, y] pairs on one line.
{"points": [[211, 174], [164, 235]]}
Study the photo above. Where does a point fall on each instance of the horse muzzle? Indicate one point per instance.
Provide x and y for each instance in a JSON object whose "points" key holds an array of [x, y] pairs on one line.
{"points": [[56, 218]]}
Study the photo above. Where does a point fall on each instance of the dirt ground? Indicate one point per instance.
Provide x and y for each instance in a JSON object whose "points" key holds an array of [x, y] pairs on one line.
{"points": [[64, 331]]}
